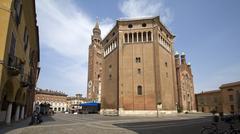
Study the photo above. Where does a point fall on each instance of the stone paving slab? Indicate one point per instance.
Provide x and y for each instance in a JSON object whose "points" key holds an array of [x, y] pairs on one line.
{"points": [[98, 124]]}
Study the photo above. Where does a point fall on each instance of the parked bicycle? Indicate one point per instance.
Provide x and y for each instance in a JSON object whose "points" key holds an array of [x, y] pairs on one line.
{"points": [[214, 129]]}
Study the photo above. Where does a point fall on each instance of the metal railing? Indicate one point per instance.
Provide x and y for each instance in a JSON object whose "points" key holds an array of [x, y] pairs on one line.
{"points": [[13, 65]]}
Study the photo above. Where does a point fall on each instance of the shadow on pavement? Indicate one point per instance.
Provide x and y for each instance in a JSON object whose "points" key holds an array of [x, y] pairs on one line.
{"points": [[186, 126], [4, 128]]}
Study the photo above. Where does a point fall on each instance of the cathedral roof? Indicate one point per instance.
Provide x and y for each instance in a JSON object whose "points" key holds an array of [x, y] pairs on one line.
{"points": [[146, 18], [136, 18]]}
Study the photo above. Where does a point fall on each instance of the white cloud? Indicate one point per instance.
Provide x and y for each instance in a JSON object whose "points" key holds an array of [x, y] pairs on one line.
{"points": [[67, 30], [145, 8]]}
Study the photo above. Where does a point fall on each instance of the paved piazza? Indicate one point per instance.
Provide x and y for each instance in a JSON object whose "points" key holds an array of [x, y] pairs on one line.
{"points": [[97, 124]]}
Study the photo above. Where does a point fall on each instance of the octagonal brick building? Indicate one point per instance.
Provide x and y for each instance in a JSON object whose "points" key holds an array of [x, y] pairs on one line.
{"points": [[139, 74]]}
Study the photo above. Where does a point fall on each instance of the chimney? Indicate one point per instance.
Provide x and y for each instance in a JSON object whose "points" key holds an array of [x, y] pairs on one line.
{"points": [[183, 58], [177, 59]]}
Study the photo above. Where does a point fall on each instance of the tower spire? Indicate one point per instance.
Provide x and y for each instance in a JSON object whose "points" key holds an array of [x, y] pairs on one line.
{"points": [[96, 29], [97, 23]]}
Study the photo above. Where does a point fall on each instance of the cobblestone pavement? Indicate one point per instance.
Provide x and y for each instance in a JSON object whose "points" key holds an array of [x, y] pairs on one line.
{"points": [[98, 124]]}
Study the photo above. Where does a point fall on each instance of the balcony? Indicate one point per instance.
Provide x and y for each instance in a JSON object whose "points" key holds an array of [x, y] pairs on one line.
{"points": [[13, 66], [24, 80]]}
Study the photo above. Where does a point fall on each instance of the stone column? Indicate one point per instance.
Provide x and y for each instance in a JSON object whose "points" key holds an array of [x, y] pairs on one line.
{"points": [[22, 112], [137, 36], [152, 36], [17, 113], [147, 36], [129, 38], [9, 113]]}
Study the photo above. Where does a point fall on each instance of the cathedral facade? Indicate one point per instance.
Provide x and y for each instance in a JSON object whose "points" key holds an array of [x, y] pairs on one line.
{"points": [[138, 75], [185, 87]]}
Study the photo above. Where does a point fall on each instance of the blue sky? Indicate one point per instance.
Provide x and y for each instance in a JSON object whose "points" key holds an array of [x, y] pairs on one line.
{"points": [[207, 31]]}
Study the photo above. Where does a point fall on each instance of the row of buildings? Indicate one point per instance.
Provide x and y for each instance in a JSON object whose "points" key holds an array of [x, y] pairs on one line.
{"points": [[134, 70], [19, 58], [226, 99], [57, 101]]}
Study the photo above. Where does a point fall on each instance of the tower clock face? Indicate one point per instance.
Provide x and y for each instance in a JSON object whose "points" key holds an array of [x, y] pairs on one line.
{"points": [[89, 84]]}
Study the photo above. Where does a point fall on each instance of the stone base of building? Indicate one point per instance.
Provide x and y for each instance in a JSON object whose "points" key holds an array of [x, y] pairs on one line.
{"points": [[191, 111], [109, 112], [166, 112], [144, 113]]}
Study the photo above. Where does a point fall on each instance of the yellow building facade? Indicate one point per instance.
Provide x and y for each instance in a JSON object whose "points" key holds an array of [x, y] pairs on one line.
{"points": [[226, 99], [19, 58]]}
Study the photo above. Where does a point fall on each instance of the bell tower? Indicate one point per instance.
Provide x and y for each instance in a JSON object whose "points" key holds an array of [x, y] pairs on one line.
{"points": [[95, 58]]}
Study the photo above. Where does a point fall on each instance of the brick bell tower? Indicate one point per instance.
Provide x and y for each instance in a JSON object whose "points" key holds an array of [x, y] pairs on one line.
{"points": [[95, 58]]}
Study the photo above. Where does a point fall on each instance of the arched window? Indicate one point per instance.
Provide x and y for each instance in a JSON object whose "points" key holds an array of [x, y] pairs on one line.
{"points": [[135, 37], [139, 37], [130, 37], [144, 36], [139, 90], [149, 36], [115, 44], [111, 47], [126, 37]]}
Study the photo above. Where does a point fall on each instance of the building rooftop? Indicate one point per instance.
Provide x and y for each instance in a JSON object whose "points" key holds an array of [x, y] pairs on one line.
{"points": [[139, 19], [209, 92], [230, 84], [50, 92], [136, 18], [75, 98], [146, 18]]}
